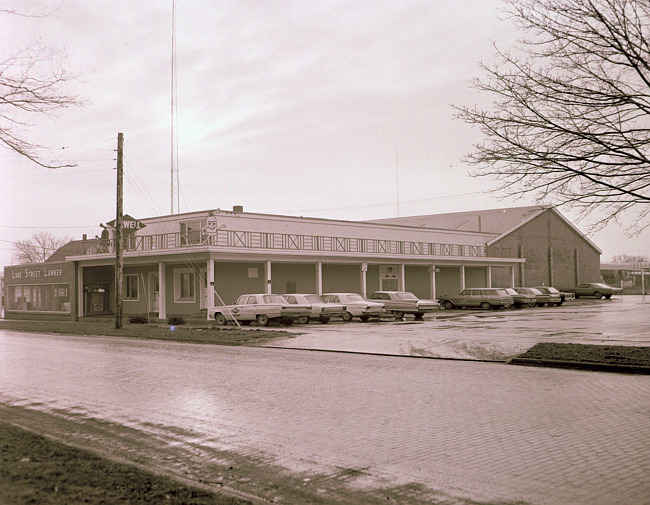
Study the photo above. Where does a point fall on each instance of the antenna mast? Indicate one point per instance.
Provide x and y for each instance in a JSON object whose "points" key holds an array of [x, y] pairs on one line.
{"points": [[175, 185]]}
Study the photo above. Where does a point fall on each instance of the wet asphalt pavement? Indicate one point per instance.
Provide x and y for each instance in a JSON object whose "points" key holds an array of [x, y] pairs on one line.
{"points": [[486, 335], [419, 430]]}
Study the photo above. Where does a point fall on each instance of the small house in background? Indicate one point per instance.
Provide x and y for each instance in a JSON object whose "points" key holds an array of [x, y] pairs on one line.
{"points": [[634, 278]]}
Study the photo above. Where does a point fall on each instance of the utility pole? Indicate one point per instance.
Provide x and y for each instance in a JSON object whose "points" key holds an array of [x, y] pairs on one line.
{"points": [[119, 255]]}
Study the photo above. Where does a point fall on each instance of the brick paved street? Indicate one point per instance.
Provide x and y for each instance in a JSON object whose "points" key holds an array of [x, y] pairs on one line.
{"points": [[446, 431]]}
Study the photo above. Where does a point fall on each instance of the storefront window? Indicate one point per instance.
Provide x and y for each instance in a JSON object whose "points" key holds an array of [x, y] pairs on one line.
{"points": [[42, 298]]}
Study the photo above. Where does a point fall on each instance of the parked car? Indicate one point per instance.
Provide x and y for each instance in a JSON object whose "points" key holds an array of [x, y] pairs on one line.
{"points": [[553, 291], [521, 299], [321, 310], [541, 299], [404, 302], [595, 289], [262, 308], [356, 306], [485, 298]]}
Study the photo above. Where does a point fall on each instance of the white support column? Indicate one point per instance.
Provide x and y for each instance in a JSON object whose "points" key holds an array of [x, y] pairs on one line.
{"points": [[210, 283], [267, 272], [489, 276], [512, 276], [162, 291], [80, 292], [432, 281], [402, 280], [462, 277], [364, 279], [319, 278]]}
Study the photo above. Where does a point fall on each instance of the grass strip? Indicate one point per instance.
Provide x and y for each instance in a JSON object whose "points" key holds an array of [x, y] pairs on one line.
{"points": [[35, 469], [191, 333]]}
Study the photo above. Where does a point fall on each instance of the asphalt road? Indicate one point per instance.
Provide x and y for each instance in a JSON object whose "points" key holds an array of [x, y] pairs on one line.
{"points": [[376, 427]]}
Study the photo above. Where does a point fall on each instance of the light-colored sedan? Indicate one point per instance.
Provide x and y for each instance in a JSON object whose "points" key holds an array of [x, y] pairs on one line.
{"points": [[540, 298], [404, 302], [356, 306], [485, 298], [596, 289], [262, 308], [321, 310], [555, 297], [522, 299]]}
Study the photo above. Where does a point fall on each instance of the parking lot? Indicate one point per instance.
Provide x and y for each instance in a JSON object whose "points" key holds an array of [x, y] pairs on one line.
{"points": [[485, 334]]}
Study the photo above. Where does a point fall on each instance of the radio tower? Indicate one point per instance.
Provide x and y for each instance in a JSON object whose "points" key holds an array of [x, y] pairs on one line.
{"points": [[175, 186]]}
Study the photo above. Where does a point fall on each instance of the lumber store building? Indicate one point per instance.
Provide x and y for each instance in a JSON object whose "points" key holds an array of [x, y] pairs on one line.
{"points": [[178, 265]]}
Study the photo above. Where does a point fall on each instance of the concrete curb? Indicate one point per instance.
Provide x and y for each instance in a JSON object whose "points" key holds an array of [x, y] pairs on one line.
{"points": [[581, 365]]}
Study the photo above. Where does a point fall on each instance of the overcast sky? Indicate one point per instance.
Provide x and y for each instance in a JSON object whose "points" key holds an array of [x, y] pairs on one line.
{"points": [[334, 109]]}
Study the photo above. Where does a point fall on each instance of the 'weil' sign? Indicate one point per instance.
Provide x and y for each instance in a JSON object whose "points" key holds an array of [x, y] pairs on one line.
{"points": [[129, 224]]}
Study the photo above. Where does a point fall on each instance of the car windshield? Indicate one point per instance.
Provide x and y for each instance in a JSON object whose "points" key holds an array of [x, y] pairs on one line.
{"points": [[355, 298], [552, 290], [406, 296], [510, 291], [503, 292], [274, 299], [314, 299]]}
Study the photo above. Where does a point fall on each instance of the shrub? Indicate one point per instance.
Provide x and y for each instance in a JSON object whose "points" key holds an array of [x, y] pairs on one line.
{"points": [[175, 320], [139, 319]]}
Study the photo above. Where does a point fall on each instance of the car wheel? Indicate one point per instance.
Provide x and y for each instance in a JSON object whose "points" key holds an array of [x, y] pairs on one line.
{"points": [[364, 319], [262, 319], [220, 319], [608, 296], [540, 304], [347, 317], [598, 295], [486, 305], [303, 320], [448, 304], [419, 316], [325, 319], [398, 314], [532, 304]]}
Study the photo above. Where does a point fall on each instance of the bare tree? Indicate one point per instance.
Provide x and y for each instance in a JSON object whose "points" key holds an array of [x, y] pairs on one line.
{"points": [[31, 84], [570, 120], [626, 258], [39, 248]]}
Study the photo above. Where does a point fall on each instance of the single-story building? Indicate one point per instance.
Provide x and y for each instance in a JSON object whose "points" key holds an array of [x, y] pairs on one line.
{"points": [[183, 263]]}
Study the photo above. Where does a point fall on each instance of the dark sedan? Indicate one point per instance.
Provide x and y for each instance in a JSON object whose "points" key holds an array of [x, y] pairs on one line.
{"points": [[595, 289]]}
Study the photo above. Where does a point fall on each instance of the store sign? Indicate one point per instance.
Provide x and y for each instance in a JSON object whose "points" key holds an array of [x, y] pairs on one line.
{"points": [[129, 224], [37, 273], [54, 272]]}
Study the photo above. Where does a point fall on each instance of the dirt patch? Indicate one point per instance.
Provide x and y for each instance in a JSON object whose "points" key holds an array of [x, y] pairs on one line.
{"points": [[601, 354], [34, 469], [198, 334]]}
